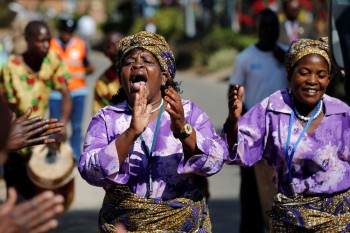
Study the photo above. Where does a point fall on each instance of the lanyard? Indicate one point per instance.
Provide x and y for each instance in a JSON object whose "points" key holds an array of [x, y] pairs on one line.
{"points": [[289, 157], [149, 153]]}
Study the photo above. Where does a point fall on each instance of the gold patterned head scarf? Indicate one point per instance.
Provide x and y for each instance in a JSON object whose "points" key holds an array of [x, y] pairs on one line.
{"points": [[302, 47], [155, 44]]}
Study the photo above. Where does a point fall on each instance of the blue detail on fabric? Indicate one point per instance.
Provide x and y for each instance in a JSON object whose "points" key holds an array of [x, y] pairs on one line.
{"points": [[255, 66]]}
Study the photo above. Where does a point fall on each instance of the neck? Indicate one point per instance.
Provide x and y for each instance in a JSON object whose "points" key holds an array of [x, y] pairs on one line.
{"points": [[155, 106], [304, 112], [33, 61], [265, 47]]}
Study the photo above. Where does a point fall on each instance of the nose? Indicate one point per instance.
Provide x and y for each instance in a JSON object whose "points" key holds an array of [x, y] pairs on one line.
{"points": [[312, 79], [138, 64]]}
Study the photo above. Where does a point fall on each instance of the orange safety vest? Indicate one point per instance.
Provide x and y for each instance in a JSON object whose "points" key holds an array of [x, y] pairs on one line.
{"points": [[73, 57]]}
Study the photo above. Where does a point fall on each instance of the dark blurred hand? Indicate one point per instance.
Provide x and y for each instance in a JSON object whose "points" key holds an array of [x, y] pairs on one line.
{"points": [[29, 132], [32, 216]]}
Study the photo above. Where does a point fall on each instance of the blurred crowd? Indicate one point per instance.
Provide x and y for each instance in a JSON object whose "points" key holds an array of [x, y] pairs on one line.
{"points": [[236, 14]]}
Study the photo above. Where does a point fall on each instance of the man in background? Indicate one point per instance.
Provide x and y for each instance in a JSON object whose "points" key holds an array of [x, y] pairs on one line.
{"points": [[74, 52], [26, 81], [291, 28], [259, 68]]}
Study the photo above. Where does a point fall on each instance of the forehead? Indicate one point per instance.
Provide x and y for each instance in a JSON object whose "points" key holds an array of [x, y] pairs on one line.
{"points": [[139, 51], [40, 31], [313, 58]]}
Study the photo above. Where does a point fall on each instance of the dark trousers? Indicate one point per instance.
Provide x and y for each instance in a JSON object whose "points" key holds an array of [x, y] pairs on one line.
{"points": [[251, 214]]}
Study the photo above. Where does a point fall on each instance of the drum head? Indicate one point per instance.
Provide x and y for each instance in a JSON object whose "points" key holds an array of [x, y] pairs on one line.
{"points": [[49, 168]]}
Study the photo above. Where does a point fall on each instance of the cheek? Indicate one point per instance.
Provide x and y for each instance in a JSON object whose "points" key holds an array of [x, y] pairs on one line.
{"points": [[123, 81], [325, 83]]}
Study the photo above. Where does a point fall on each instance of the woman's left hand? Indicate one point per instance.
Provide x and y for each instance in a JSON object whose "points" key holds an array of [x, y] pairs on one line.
{"points": [[175, 110]]}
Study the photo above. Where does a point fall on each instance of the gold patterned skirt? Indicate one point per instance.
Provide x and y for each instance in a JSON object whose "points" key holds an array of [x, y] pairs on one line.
{"points": [[138, 214], [326, 213]]}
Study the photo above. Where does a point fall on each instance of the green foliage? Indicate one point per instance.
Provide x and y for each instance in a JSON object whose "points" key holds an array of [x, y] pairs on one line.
{"points": [[169, 23], [221, 59], [138, 25], [220, 38], [6, 17]]}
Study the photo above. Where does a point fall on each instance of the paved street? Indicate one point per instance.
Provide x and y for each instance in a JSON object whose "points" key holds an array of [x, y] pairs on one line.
{"points": [[210, 95]]}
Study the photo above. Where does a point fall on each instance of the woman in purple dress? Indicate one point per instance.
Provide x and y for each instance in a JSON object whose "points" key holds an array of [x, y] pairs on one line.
{"points": [[151, 150], [307, 136]]}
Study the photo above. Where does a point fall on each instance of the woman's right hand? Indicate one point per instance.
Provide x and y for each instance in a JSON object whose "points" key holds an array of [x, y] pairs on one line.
{"points": [[235, 102], [141, 112]]}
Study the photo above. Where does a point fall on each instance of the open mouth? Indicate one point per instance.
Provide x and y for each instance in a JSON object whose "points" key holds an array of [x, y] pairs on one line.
{"points": [[137, 81], [310, 91]]}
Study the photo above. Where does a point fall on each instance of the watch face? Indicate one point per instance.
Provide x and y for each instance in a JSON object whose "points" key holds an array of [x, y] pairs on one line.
{"points": [[188, 129]]}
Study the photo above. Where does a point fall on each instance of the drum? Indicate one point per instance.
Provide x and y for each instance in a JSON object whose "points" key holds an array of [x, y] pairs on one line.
{"points": [[51, 169]]}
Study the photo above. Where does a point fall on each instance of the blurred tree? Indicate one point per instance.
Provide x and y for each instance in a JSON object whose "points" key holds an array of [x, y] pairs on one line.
{"points": [[121, 15], [6, 15]]}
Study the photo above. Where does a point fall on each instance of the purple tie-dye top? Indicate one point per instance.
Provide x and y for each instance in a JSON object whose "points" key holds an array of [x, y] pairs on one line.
{"points": [[172, 176], [321, 160]]}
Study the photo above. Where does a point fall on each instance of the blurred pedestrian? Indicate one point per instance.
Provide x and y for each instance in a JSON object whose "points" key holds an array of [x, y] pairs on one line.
{"points": [[108, 83], [259, 69], [291, 27], [74, 52], [151, 25], [151, 150], [86, 27], [27, 80]]}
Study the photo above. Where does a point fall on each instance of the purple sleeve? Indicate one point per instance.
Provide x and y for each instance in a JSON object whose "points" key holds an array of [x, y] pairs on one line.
{"points": [[99, 160], [213, 148], [250, 139]]}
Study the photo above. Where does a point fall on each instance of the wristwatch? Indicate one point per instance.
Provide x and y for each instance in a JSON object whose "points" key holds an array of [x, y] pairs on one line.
{"points": [[185, 132]]}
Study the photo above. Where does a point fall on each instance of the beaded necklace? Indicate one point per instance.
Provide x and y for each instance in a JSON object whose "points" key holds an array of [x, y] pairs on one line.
{"points": [[303, 118]]}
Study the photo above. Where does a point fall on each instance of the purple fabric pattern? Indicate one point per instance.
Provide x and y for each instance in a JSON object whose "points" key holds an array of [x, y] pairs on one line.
{"points": [[321, 161], [172, 176]]}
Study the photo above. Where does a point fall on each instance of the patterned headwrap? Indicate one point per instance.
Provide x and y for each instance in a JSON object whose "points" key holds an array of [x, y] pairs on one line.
{"points": [[155, 44], [302, 47]]}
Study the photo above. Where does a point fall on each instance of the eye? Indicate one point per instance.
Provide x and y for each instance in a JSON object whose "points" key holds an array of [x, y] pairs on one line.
{"points": [[303, 72], [323, 75], [128, 62]]}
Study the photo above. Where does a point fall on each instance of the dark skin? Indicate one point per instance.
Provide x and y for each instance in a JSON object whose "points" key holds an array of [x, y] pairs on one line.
{"points": [[37, 214], [308, 79], [144, 97], [34, 216], [110, 46], [38, 38], [291, 9], [34, 131]]}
